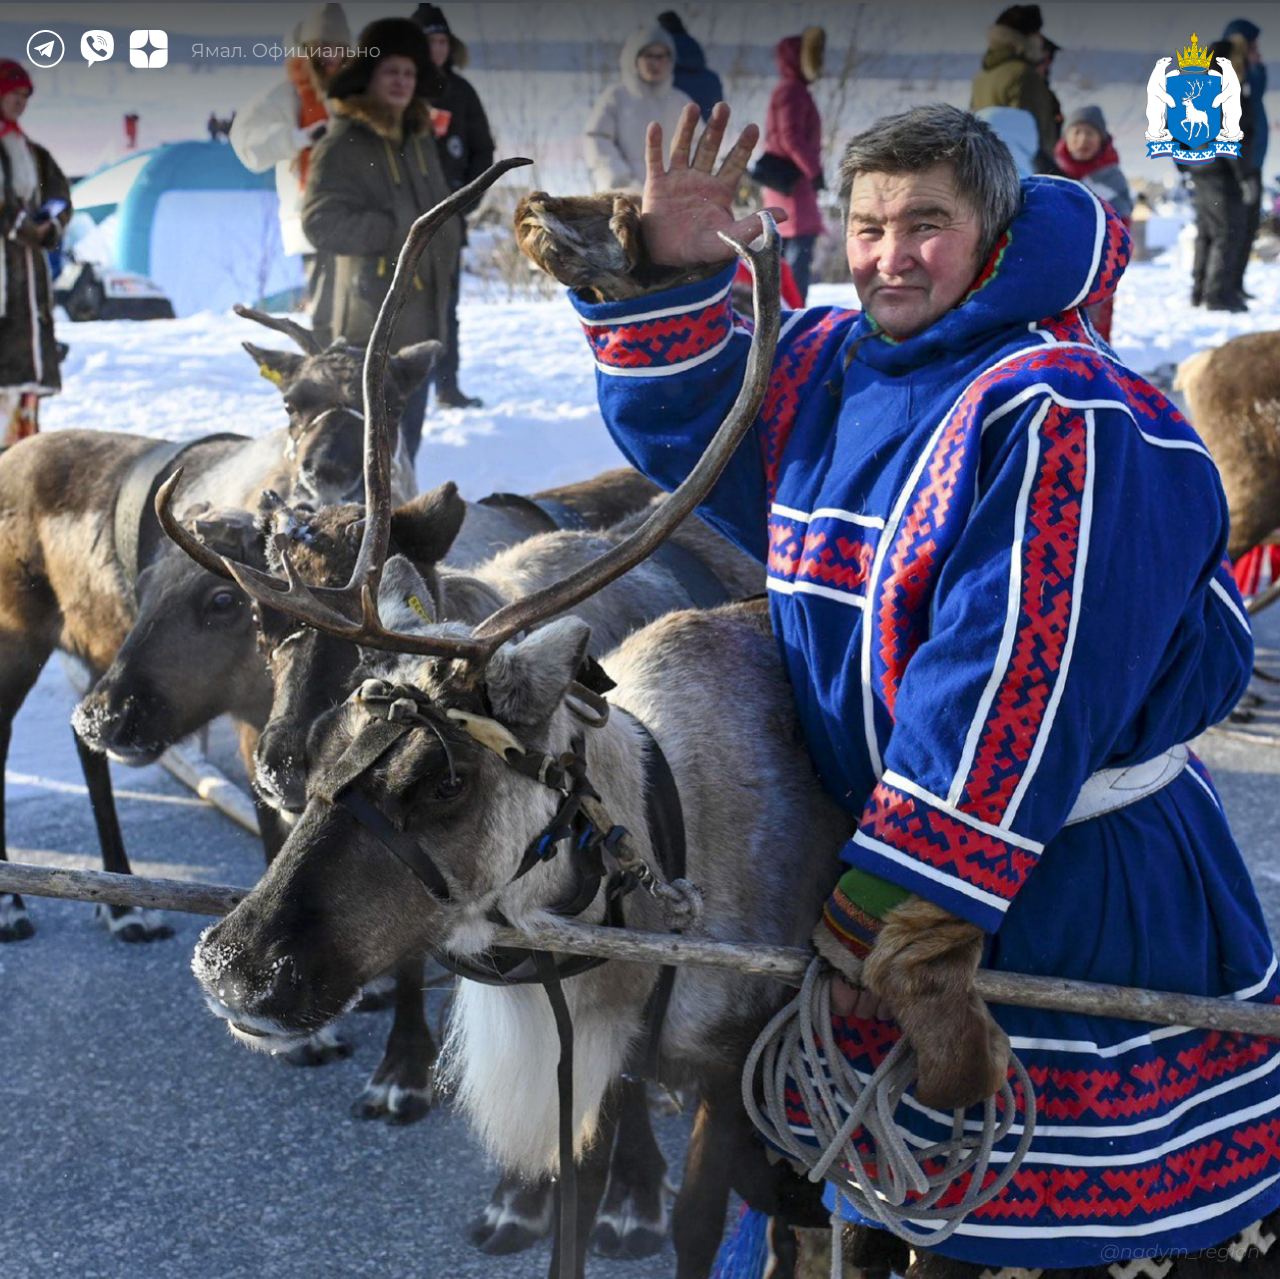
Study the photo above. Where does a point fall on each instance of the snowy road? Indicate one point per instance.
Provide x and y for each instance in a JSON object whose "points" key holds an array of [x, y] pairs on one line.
{"points": [[137, 1138]]}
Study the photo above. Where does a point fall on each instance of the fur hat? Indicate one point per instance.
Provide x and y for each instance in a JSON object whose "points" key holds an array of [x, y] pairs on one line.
{"points": [[430, 17], [1022, 18], [13, 75], [390, 37]]}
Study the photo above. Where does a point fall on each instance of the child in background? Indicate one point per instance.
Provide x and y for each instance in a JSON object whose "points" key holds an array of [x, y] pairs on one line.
{"points": [[1087, 153]]}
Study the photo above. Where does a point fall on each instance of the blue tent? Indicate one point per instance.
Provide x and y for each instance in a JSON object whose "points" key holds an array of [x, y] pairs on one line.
{"points": [[191, 217]]}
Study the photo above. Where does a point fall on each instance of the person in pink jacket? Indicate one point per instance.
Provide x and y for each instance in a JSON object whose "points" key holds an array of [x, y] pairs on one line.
{"points": [[793, 129]]}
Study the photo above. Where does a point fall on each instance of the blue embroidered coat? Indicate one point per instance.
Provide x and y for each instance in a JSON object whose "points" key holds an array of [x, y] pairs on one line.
{"points": [[995, 565]]}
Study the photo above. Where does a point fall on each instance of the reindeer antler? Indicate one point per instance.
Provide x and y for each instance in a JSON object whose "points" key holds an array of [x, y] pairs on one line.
{"points": [[351, 612], [305, 338]]}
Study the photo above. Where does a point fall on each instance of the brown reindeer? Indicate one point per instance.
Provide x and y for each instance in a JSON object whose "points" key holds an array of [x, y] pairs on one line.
{"points": [[1234, 406]]}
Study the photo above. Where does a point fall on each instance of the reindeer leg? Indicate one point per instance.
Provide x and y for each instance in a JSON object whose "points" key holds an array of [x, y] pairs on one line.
{"points": [[593, 1172], [517, 1216], [697, 1221], [19, 667], [400, 1089], [127, 923], [633, 1219]]}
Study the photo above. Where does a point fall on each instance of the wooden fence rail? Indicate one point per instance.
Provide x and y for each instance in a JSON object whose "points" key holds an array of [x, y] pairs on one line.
{"points": [[783, 963]]}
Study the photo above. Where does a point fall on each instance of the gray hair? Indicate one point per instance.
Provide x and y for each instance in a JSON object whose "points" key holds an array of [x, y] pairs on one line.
{"points": [[986, 177]]}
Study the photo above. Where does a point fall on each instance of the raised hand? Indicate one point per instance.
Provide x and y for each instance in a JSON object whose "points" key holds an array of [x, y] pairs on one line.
{"points": [[687, 203]]}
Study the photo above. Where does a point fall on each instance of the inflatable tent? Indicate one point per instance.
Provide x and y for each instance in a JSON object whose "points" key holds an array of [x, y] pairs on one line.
{"points": [[191, 217]]}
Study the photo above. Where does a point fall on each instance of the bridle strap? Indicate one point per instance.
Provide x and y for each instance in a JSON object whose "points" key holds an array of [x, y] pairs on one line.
{"points": [[355, 802], [567, 1188]]}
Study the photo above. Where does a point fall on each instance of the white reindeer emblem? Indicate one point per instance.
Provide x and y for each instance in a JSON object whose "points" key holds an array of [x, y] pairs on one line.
{"points": [[1193, 118]]}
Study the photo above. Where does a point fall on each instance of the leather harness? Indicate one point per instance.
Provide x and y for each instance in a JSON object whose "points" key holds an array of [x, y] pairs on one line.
{"points": [[400, 709], [135, 529]]}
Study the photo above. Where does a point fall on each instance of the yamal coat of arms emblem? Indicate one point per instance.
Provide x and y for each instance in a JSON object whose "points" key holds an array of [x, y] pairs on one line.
{"points": [[1193, 113]]}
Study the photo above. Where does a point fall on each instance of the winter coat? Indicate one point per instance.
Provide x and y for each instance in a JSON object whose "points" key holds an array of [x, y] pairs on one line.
{"points": [[28, 353], [1018, 130], [616, 128], [461, 131], [266, 133], [1009, 79], [958, 530], [1101, 175], [368, 182], [793, 128], [1253, 83], [693, 76]]}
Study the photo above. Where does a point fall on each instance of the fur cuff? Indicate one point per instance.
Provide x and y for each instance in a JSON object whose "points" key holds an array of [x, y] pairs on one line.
{"points": [[923, 964], [593, 244]]}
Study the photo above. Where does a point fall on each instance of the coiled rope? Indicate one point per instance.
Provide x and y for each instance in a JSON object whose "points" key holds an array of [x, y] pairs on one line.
{"points": [[838, 1104]]}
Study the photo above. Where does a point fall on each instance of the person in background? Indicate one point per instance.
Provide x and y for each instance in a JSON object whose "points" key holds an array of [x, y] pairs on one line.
{"points": [[373, 173], [462, 134], [615, 130], [1087, 153], [1221, 221], [1010, 75], [693, 76], [1243, 36], [1017, 129], [37, 206], [1045, 68], [279, 128], [793, 129]]}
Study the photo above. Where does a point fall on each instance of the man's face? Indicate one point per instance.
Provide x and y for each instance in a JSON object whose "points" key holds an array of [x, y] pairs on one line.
{"points": [[393, 81], [912, 246], [439, 47]]}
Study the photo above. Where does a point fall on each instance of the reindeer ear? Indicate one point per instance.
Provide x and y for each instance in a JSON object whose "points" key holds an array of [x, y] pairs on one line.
{"points": [[276, 366], [528, 680], [411, 364], [424, 528], [405, 602]]}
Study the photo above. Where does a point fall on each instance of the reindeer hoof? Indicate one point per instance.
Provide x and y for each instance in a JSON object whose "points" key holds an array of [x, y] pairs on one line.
{"points": [[15, 923], [621, 1241], [323, 1047], [515, 1218], [397, 1105], [132, 924]]}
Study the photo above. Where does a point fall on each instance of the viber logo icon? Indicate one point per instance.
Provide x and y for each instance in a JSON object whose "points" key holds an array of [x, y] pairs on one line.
{"points": [[148, 50]]}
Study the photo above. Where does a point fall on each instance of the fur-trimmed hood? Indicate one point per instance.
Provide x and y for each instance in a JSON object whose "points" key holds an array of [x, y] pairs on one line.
{"points": [[642, 38], [363, 109], [800, 57], [1004, 44]]}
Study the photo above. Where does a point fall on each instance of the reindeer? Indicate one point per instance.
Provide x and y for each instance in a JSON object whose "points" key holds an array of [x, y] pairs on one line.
{"points": [[312, 672], [1233, 400], [82, 558], [1193, 119], [323, 376], [442, 785]]}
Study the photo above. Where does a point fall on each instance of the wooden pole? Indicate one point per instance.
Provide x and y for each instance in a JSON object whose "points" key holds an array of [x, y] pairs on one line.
{"points": [[786, 964]]}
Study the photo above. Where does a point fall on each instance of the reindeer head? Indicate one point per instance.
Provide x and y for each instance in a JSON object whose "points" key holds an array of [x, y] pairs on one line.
{"points": [[424, 789], [322, 395]]}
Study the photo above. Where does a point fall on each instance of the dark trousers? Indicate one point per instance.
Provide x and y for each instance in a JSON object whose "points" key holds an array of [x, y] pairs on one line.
{"points": [[1251, 194], [445, 376], [797, 252], [1220, 227]]}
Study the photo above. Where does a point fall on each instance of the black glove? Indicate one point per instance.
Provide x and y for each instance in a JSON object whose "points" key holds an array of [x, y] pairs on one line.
{"points": [[820, 182]]}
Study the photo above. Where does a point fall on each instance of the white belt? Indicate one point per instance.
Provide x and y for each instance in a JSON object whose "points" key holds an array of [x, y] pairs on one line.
{"points": [[1112, 788]]}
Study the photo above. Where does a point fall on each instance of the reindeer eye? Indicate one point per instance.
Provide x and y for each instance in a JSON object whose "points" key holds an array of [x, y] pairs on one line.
{"points": [[222, 601]]}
